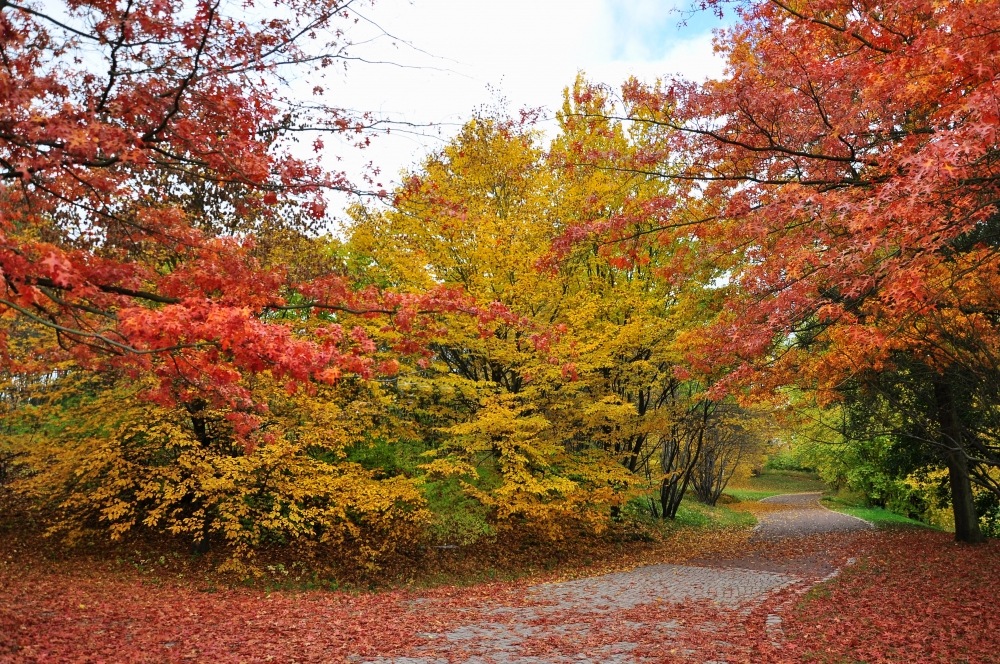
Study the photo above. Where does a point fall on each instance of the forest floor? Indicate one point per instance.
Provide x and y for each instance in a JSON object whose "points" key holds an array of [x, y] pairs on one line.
{"points": [[806, 585]]}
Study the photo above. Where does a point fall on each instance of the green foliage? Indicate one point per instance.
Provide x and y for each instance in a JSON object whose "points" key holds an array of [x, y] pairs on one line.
{"points": [[791, 460], [988, 508], [771, 483], [457, 518], [868, 467], [880, 477], [387, 457]]}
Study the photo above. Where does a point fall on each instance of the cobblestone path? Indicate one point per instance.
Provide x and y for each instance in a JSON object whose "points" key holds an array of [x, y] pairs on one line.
{"points": [[805, 516], [651, 613]]}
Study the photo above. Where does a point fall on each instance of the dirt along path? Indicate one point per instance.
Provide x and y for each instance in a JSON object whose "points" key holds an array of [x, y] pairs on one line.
{"points": [[711, 610]]}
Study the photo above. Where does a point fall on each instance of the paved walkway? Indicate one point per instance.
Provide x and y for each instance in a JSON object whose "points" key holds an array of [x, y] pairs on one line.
{"points": [[652, 613], [804, 516]]}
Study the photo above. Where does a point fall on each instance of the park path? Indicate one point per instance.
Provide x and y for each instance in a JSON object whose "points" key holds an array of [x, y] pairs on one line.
{"points": [[700, 611], [804, 516]]}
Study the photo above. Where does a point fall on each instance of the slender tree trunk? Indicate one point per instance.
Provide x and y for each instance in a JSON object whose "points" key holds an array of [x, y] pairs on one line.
{"points": [[192, 504], [966, 519]]}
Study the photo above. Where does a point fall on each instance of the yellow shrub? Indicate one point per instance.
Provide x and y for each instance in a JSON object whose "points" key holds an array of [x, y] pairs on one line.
{"points": [[107, 461]]}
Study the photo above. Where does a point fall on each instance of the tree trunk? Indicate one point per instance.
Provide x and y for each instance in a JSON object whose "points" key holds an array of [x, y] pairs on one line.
{"points": [[966, 519], [963, 507]]}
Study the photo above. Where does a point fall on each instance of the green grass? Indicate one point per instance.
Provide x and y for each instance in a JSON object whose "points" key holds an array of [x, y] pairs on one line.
{"points": [[693, 514], [775, 482], [745, 495], [880, 517], [690, 514]]}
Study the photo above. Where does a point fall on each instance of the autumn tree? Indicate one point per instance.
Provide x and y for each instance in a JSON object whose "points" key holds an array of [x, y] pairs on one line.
{"points": [[850, 150], [734, 436], [173, 338], [655, 297], [478, 216], [591, 373], [622, 313], [146, 155]]}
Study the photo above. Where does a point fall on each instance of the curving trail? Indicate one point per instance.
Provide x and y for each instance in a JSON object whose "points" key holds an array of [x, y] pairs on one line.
{"points": [[804, 516], [712, 610]]}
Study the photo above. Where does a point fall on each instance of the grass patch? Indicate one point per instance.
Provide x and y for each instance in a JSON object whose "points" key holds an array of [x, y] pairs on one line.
{"points": [[693, 514], [881, 517], [747, 495], [775, 482]]}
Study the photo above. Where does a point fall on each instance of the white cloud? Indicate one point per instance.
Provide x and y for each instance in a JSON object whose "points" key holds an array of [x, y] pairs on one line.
{"points": [[455, 56], [641, 27]]}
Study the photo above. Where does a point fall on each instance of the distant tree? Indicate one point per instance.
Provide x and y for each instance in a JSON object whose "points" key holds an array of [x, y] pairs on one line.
{"points": [[733, 436]]}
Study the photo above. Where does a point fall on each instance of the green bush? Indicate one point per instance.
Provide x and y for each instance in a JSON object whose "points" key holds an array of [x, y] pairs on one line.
{"points": [[789, 460], [457, 519], [988, 508], [387, 458]]}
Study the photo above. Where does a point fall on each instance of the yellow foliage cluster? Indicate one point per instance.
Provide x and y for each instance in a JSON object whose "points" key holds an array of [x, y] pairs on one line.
{"points": [[563, 416], [105, 458], [538, 478]]}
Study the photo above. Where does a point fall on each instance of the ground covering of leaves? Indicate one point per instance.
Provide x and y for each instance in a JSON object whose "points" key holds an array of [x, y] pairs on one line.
{"points": [[913, 595], [143, 602]]}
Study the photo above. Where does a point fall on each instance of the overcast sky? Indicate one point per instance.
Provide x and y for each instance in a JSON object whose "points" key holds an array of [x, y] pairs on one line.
{"points": [[448, 58]]}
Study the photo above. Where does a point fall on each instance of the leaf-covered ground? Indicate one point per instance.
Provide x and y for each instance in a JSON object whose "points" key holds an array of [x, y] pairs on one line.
{"points": [[911, 596]]}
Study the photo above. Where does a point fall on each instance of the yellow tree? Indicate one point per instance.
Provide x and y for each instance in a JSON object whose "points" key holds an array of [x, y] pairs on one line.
{"points": [[578, 391], [480, 216], [645, 299]]}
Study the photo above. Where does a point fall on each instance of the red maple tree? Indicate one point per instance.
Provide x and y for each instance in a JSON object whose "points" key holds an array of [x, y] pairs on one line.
{"points": [[146, 151], [847, 162]]}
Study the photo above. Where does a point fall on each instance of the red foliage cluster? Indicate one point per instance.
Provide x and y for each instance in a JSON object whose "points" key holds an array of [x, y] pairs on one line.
{"points": [[144, 154], [850, 148]]}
